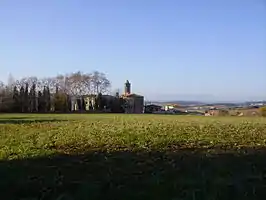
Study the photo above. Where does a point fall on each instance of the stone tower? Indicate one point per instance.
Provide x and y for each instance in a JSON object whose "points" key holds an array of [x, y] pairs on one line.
{"points": [[127, 87]]}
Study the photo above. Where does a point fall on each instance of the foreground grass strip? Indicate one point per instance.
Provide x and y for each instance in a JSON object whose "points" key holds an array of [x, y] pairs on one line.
{"points": [[131, 157]]}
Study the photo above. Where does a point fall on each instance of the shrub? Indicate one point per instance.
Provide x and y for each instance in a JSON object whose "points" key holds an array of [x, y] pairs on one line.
{"points": [[223, 113], [263, 111]]}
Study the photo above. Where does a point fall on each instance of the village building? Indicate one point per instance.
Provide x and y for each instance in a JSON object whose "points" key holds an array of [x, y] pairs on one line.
{"points": [[152, 108]]}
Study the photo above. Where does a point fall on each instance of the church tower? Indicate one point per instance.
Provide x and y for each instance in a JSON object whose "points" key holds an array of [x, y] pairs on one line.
{"points": [[127, 87]]}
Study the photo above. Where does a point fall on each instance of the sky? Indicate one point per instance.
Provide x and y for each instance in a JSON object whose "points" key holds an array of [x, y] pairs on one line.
{"points": [[168, 49]]}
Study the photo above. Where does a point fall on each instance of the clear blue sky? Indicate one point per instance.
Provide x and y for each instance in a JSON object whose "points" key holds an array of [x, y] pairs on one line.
{"points": [[168, 49]]}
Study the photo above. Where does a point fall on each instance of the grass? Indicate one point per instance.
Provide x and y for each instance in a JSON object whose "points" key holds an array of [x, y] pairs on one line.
{"points": [[108, 156]]}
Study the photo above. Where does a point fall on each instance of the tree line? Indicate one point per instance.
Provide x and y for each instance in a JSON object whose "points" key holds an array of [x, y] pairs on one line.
{"points": [[31, 94]]}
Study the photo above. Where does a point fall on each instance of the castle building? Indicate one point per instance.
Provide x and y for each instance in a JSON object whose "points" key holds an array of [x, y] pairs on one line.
{"points": [[134, 102], [127, 87]]}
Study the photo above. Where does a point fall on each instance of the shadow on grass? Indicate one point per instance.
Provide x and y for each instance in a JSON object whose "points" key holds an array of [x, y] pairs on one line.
{"points": [[185, 174], [24, 117], [27, 120]]}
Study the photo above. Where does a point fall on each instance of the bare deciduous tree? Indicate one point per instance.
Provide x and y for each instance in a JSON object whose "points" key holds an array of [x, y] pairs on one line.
{"points": [[100, 83], [2, 86], [47, 82], [61, 82], [33, 94], [87, 82], [76, 84]]}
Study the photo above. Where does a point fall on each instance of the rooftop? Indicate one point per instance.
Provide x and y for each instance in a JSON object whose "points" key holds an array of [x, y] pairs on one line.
{"points": [[131, 95]]}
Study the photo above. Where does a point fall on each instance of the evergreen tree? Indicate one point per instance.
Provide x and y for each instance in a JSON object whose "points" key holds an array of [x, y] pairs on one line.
{"points": [[16, 100], [40, 102], [32, 99], [22, 98], [48, 99], [60, 101], [83, 104], [45, 99], [26, 98]]}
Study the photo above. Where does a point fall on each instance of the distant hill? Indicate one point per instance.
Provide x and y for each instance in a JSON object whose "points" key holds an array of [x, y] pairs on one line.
{"points": [[255, 102], [200, 103], [222, 104], [184, 103]]}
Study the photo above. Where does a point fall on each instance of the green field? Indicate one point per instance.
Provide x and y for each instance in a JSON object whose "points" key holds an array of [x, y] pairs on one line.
{"points": [[90, 156]]}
